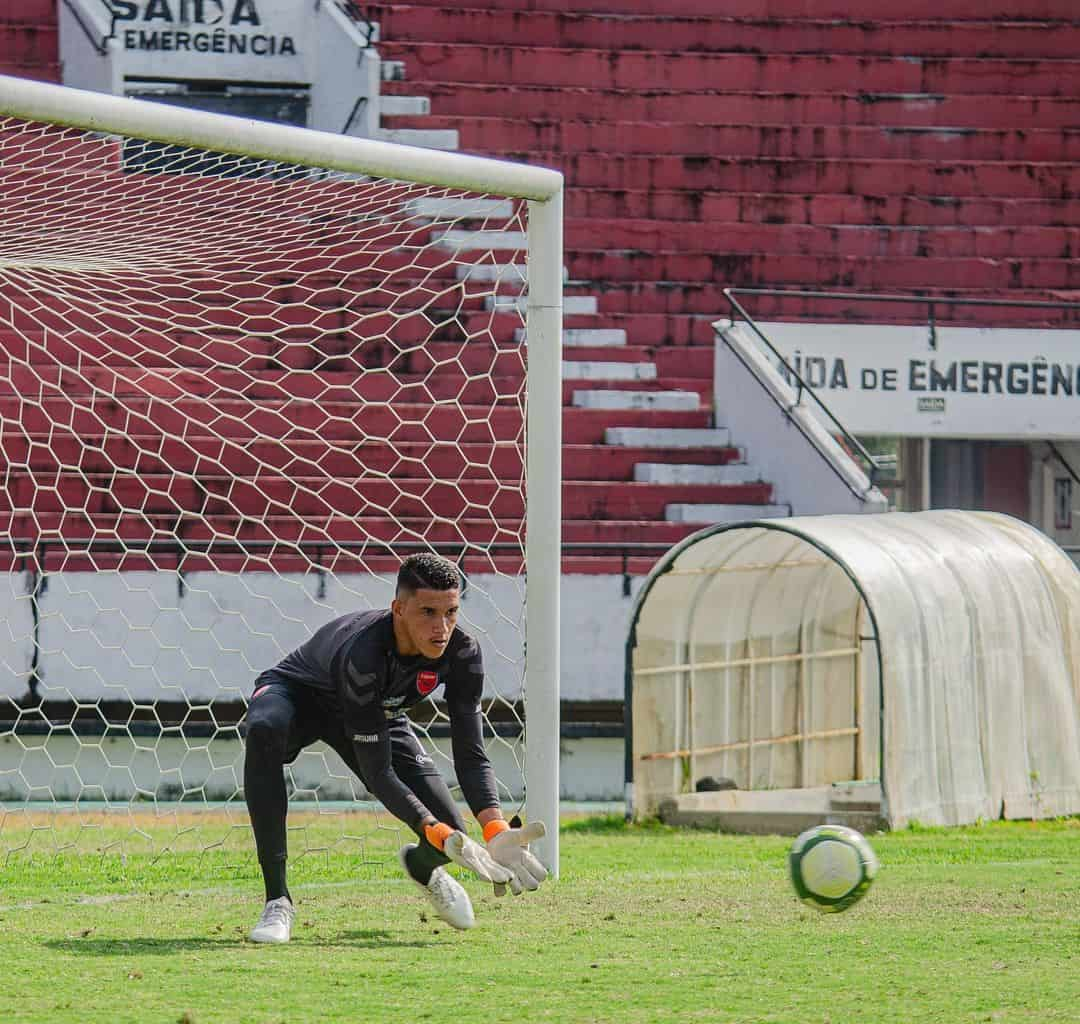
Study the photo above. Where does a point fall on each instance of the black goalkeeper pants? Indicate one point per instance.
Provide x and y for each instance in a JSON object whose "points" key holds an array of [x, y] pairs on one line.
{"points": [[282, 719]]}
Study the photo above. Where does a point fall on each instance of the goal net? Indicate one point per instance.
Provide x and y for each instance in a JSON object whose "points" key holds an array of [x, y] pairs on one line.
{"points": [[245, 369]]}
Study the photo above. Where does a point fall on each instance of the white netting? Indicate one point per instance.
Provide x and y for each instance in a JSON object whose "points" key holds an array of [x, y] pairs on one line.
{"points": [[233, 394]]}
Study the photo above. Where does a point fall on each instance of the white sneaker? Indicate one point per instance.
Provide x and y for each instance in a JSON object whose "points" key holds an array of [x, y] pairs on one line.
{"points": [[450, 900], [275, 923]]}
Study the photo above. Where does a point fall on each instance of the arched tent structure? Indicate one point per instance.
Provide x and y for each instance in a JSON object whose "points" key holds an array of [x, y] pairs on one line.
{"points": [[936, 651]]}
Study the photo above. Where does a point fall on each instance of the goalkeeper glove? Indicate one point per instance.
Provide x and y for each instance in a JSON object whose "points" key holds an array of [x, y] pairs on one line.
{"points": [[509, 847], [467, 853]]}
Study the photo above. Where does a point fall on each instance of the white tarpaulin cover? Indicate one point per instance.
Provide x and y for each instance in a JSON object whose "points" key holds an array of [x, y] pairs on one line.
{"points": [[780, 629]]}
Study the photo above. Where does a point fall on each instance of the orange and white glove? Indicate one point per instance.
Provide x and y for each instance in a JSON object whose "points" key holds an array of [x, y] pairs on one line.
{"points": [[509, 847], [467, 853]]}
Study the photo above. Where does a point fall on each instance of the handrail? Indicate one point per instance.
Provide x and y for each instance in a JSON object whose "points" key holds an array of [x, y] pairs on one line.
{"points": [[360, 18], [930, 301], [870, 461], [99, 46]]}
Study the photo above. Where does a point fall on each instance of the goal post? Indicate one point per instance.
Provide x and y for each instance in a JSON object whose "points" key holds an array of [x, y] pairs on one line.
{"points": [[321, 320]]}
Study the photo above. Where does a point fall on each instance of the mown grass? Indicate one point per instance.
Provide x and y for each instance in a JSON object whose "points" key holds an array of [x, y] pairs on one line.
{"points": [[645, 924]]}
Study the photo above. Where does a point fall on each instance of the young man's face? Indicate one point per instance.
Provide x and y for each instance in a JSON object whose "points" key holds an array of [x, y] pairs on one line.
{"points": [[424, 620]]}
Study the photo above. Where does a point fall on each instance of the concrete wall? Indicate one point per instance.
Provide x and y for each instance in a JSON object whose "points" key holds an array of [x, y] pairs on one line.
{"points": [[148, 636]]}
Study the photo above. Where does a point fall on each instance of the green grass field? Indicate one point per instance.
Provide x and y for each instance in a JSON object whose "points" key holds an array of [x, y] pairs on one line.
{"points": [[645, 924]]}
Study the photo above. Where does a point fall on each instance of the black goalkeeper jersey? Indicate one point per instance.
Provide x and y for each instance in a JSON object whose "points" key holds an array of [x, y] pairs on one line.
{"points": [[354, 659]]}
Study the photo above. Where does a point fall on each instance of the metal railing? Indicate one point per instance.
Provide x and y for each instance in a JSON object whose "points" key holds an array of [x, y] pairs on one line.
{"points": [[931, 303], [100, 44], [870, 464]]}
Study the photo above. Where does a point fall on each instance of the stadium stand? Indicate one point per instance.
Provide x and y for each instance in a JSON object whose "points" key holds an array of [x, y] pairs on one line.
{"points": [[28, 40], [852, 149], [931, 152]]}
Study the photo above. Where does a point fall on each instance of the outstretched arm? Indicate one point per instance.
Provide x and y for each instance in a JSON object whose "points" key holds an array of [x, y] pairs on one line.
{"points": [[370, 736], [507, 846]]}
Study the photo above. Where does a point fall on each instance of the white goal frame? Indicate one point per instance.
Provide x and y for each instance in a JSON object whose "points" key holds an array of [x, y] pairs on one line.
{"points": [[543, 189]]}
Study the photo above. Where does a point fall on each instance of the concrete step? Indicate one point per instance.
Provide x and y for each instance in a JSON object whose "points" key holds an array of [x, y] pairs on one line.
{"points": [[608, 371], [392, 70], [404, 106], [34, 12], [573, 305], [428, 63], [462, 208], [60, 451], [799, 104], [686, 390], [501, 135], [864, 240], [977, 179], [309, 497], [818, 208], [778, 811], [29, 42], [509, 275], [572, 30], [672, 298], [780, 270], [707, 513], [598, 337], [840, 10], [291, 419], [426, 138], [659, 437], [683, 473], [44, 72], [489, 240], [666, 401], [340, 529]]}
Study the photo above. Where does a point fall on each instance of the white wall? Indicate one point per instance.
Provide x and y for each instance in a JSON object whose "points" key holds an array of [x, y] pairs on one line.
{"points": [[142, 636]]}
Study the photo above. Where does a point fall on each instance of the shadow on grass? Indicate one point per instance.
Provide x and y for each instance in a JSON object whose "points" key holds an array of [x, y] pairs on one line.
{"points": [[372, 938]]}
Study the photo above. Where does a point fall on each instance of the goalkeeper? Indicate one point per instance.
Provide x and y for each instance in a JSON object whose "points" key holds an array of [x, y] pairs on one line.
{"points": [[350, 685]]}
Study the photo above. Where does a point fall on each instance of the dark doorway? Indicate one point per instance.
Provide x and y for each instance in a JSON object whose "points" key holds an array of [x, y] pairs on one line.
{"points": [[990, 476]]}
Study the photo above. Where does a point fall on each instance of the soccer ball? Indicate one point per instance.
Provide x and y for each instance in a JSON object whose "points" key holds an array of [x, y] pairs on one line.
{"points": [[831, 867]]}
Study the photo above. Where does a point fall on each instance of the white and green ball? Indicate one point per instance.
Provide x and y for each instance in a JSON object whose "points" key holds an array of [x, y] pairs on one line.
{"points": [[831, 867]]}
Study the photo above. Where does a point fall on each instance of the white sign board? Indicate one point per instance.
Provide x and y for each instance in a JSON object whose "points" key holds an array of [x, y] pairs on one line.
{"points": [[973, 382], [245, 40]]}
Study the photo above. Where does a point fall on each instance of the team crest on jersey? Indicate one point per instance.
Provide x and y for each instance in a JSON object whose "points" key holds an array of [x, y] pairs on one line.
{"points": [[426, 682]]}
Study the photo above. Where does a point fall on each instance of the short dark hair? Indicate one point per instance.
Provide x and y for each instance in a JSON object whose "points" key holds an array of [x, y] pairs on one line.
{"points": [[427, 571]]}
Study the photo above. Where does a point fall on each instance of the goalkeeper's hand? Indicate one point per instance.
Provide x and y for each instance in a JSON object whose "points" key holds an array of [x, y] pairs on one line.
{"points": [[509, 847], [467, 853]]}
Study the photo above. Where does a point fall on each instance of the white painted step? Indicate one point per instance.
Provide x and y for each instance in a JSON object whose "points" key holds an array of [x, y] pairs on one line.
{"points": [[503, 273], [665, 401], [586, 337], [425, 138], [485, 240], [608, 371], [464, 206], [682, 513], [682, 473], [573, 305], [668, 437], [405, 106]]}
